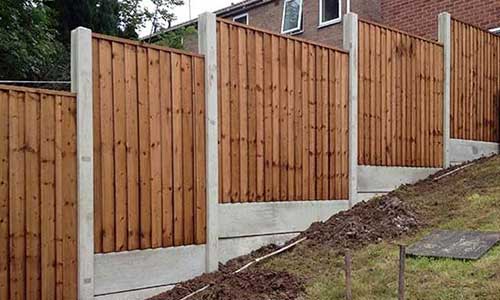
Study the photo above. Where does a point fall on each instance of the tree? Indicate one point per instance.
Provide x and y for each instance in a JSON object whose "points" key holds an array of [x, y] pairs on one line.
{"points": [[29, 44], [35, 34]]}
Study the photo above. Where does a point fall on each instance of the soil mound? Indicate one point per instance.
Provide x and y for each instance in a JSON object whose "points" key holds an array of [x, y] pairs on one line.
{"points": [[367, 222]]}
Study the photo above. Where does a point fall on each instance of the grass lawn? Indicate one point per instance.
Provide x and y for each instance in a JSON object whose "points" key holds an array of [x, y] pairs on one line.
{"points": [[469, 199]]}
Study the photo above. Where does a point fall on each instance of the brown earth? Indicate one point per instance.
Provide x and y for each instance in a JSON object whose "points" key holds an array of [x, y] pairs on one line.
{"points": [[382, 219]]}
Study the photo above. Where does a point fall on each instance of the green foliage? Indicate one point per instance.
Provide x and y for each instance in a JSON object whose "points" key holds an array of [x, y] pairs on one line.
{"points": [[175, 38], [29, 45], [35, 34]]}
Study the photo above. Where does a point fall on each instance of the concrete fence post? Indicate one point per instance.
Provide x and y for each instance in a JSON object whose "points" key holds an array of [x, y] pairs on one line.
{"points": [[445, 39], [81, 84], [207, 42], [351, 45]]}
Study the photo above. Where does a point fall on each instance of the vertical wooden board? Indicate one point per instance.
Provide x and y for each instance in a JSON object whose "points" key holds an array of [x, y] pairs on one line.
{"points": [[260, 118], [306, 180], [378, 98], [372, 137], [404, 100], [420, 100], [144, 147], [336, 119], [417, 99], [428, 108], [252, 116], [268, 120], [69, 193], [187, 148], [167, 178], [4, 194], [290, 120], [275, 61], [463, 83], [361, 93], [432, 106], [283, 126], [243, 113], [324, 111], [119, 146], [313, 102], [155, 146], [47, 196], [367, 96], [334, 67], [32, 159], [177, 149], [107, 157], [235, 113], [225, 116], [219, 110], [414, 93], [312, 122], [488, 92], [298, 129], [199, 152], [96, 90], [132, 148], [17, 250], [388, 97], [423, 107], [481, 79], [453, 67], [383, 95], [59, 199], [344, 94], [394, 99], [439, 94]]}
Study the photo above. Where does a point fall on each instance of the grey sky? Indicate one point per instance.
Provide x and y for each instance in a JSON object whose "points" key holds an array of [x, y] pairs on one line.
{"points": [[197, 7]]}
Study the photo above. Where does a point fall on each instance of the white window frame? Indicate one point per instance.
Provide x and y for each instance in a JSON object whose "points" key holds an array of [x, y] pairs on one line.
{"points": [[329, 22], [299, 25], [495, 30], [241, 16]]}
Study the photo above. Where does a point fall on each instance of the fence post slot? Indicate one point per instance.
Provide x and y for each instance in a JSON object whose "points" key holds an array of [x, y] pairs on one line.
{"points": [[81, 83], [207, 39], [445, 39], [351, 44]]}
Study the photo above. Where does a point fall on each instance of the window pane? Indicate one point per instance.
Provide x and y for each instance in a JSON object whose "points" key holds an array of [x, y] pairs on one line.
{"points": [[292, 14], [330, 10], [242, 19]]}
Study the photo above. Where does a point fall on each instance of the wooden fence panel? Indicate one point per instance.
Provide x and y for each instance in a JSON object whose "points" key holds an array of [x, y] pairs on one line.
{"points": [[475, 83], [38, 194], [400, 98], [149, 146], [283, 117]]}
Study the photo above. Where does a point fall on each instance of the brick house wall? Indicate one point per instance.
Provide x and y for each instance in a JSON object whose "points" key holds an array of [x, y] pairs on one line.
{"points": [[420, 16], [415, 16], [269, 17]]}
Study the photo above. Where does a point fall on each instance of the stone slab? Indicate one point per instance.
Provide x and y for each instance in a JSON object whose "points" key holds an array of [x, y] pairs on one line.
{"points": [[470, 245]]}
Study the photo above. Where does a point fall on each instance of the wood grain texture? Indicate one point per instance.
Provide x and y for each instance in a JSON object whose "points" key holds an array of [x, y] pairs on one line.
{"points": [[38, 213], [149, 137], [400, 100], [280, 127], [475, 90]]}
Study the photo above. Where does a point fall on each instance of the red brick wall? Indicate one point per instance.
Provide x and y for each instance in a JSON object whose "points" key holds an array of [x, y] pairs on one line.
{"points": [[420, 16], [269, 17]]}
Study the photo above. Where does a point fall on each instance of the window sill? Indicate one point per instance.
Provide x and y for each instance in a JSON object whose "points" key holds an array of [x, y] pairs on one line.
{"points": [[297, 32], [330, 23]]}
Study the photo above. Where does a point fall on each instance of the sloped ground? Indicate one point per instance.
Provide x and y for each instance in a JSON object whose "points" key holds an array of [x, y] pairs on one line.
{"points": [[468, 199]]}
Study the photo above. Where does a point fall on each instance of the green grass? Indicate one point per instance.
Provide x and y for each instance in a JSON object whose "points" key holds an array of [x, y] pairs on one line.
{"points": [[469, 200]]}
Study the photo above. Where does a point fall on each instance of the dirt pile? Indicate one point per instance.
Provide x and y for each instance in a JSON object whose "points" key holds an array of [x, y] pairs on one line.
{"points": [[366, 223], [250, 284]]}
